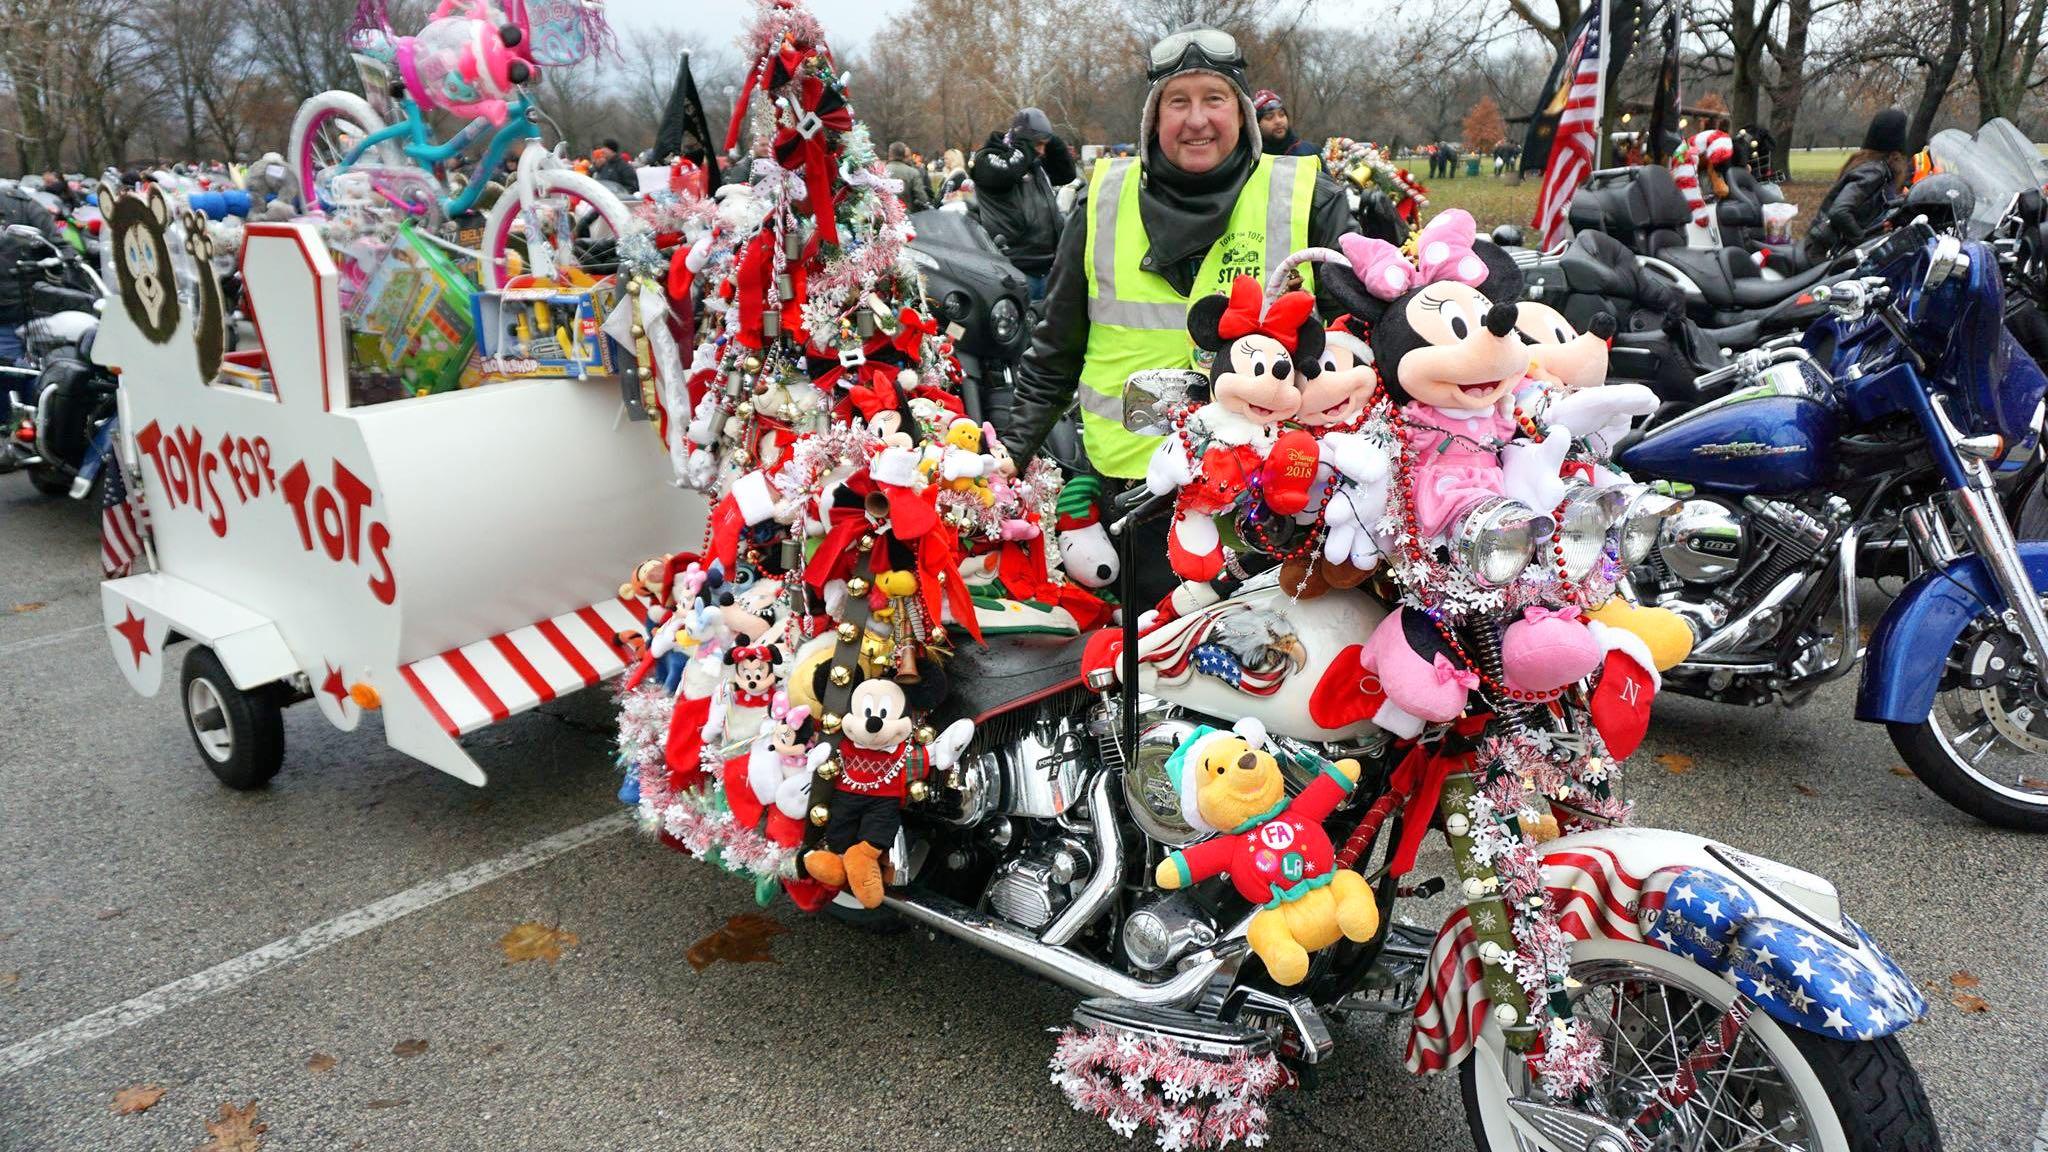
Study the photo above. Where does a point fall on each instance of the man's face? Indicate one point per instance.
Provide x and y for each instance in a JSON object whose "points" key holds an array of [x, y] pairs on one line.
{"points": [[1273, 124], [1199, 121]]}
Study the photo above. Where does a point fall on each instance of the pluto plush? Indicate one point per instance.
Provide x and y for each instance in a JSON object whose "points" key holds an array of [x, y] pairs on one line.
{"points": [[1274, 850]]}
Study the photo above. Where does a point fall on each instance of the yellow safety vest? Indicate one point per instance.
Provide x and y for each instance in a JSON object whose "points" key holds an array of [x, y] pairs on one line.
{"points": [[1136, 321]]}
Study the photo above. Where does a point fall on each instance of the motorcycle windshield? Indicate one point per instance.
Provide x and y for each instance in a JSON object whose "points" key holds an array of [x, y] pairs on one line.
{"points": [[1998, 163]]}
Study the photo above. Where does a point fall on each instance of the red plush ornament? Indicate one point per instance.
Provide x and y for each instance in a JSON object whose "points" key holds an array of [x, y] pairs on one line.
{"points": [[1621, 702], [1288, 475]]}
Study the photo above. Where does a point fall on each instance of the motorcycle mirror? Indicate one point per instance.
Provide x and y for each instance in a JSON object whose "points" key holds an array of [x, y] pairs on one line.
{"points": [[1508, 236], [25, 231], [1151, 395]]}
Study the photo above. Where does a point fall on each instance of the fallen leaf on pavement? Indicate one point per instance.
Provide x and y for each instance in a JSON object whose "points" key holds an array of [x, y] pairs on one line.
{"points": [[136, 1098], [1964, 979], [1806, 789], [109, 913], [29, 606], [237, 1130], [533, 940], [407, 1048], [743, 940], [1676, 763], [1969, 1003], [319, 1062], [1902, 770], [9, 979], [2033, 783]]}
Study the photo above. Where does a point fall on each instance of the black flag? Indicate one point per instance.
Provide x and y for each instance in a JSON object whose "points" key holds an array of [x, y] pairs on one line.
{"points": [[1664, 107], [684, 131]]}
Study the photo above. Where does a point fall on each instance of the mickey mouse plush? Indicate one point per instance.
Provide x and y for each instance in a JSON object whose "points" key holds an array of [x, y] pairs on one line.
{"points": [[1254, 388], [877, 763]]}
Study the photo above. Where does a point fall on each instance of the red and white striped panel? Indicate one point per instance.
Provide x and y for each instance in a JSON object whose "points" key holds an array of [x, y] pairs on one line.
{"points": [[479, 684]]}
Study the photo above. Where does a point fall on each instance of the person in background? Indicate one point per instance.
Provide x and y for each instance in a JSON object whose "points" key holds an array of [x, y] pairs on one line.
{"points": [[1872, 181], [1017, 176], [917, 195], [953, 181], [18, 255], [608, 165], [1276, 129]]}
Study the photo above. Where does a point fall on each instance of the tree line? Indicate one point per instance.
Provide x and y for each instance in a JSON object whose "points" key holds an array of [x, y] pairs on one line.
{"points": [[87, 83]]}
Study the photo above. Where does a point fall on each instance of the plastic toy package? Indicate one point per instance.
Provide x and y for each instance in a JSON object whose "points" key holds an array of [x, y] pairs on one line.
{"points": [[412, 318]]}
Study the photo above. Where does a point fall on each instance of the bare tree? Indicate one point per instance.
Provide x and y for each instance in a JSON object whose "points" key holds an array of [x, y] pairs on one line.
{"points": [[2005, 52]]}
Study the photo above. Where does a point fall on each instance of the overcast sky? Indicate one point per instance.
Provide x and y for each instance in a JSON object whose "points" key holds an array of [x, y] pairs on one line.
{"points": [[848, 23]]}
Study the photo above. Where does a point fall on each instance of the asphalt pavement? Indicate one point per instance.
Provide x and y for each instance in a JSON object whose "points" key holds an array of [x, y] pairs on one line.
{"points": [[133, 889]]}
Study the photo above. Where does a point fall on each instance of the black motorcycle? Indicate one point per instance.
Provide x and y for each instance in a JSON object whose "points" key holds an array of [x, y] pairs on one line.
{"points": [[61, 434]]}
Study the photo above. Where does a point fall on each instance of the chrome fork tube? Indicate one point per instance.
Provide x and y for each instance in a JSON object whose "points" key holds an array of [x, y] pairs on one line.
{"points": [[1984, 522]]}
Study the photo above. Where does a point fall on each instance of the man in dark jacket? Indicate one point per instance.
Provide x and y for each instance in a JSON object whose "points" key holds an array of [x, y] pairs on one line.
{"points": [[612, 167], [1870, 185], [1276, 128], [1017, 176], [917, 188], [17, 271], [1197, 207]]}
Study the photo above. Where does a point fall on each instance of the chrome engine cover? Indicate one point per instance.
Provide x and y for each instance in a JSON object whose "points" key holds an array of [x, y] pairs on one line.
{"points": [[1705, 543], [1027, 891]]}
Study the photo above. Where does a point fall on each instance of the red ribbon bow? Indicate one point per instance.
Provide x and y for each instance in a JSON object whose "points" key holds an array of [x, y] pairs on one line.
{"points": [[1420, 778], [871, 400], [911, 330], [1247, 314], [794, 149]]}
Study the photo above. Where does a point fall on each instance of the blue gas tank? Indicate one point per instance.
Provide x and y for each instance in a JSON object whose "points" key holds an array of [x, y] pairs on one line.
{"points": [[1771, 437]]}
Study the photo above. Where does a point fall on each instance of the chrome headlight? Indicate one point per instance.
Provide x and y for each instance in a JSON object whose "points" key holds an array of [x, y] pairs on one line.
{"points": [[1586, 515], [1642, 522], [1005, 319], [1496, 538]]}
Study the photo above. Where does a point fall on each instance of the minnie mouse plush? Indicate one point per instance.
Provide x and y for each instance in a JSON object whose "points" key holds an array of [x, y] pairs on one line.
{"points": [[1224, 447]]}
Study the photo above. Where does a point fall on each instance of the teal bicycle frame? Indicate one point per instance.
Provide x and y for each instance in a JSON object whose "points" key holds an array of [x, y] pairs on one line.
{"points": [[419, 145]]}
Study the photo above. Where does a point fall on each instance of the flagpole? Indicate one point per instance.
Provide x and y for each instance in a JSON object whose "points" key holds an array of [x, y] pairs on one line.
{"points": [[1600, 90]]}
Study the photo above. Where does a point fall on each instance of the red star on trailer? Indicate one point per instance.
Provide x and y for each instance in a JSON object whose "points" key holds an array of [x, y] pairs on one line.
{"points": [[132, 630], [334, 687]]}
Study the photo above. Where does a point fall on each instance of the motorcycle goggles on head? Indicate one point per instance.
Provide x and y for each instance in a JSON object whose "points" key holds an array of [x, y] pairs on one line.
{"points": [[1195, 47]]}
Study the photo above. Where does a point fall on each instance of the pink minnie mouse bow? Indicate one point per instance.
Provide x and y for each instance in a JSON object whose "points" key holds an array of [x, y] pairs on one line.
{"points": [[1443, 251], [1449, 673], [1535, 612]]}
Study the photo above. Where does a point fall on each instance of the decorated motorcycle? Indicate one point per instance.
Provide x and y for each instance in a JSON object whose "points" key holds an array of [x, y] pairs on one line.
{"points": [[876, 687]]}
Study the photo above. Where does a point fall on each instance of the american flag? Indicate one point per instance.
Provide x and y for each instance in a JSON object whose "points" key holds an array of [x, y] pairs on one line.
{"points": [[1576, 148], [124, 524]]}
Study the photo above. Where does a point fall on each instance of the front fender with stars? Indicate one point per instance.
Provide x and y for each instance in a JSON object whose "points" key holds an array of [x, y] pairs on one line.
{"points": [[1776, 933]]}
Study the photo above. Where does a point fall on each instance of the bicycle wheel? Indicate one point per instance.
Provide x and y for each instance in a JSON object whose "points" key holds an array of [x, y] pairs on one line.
{"points": [[570, 188], [324, 131]]}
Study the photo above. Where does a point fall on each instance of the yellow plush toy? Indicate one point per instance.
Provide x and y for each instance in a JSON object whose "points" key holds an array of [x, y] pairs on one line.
{"points": [[1274, 851], [1662, 630]]}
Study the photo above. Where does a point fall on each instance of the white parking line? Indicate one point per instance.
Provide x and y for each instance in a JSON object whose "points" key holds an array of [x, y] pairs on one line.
{"points": [[31, 645], [249, 965]]}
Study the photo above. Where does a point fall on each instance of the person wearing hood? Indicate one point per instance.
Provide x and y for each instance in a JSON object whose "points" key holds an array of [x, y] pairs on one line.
{"points": [[1871, 183], [1017, 177], [1276, 128], [1197, 207]]}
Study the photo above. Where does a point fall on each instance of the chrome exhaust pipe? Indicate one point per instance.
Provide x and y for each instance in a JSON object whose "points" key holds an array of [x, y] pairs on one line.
{"points": [[1063, 966], [1095, 896]]}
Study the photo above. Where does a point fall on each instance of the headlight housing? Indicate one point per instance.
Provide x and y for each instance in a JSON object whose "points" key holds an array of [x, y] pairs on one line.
{"points": [[1006, 319], [1496, 538], [1586, 515], [1642, 524]]}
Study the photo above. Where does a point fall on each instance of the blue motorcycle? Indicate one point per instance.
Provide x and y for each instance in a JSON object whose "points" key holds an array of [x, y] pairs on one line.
{"points": [[1886, 422]]}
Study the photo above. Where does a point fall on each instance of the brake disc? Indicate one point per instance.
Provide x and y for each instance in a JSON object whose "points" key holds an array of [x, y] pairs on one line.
{"points": [[2024, 722]]}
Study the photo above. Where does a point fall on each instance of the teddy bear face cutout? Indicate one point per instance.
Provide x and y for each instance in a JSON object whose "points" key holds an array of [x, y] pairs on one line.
{"points": [[1558, 354], [1452, 348], [877, 715], [1236, 783]]}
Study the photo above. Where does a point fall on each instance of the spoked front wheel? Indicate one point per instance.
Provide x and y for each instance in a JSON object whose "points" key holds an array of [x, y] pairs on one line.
{"points": [[1984, 744], [1776, 1090], [324, 132]]}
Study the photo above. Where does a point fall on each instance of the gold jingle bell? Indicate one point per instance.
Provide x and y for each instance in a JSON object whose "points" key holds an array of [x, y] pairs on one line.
{"points": [[638, 332], [745, 411], [856, 587], [820, 814], [847, 631], [867, 544], [829, 722], [926, 734], [841, 676], [918, 791], [751, 364], [828, 769]]}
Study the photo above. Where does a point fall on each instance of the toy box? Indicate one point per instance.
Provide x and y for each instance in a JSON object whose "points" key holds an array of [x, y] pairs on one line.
{"points": [[412, 317], [545, 330]]}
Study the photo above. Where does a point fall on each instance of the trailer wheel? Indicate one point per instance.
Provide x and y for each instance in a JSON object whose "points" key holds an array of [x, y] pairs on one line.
{"points": [[240, 735]]}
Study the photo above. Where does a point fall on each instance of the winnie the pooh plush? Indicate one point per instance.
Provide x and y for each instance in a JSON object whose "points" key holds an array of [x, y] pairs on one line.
{"points": [[1274, 850]]}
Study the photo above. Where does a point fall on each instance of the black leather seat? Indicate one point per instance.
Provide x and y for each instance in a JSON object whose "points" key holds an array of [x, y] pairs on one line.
{"points": [[1009, 671], [1729, 281]]}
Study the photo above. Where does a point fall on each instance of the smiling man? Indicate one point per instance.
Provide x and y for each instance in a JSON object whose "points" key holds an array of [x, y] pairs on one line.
{"points": [[1197, 207]]}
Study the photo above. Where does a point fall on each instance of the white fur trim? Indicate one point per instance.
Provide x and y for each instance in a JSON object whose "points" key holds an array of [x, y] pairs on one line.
{"points": [[1629, 644], [755, 496], [1361, 352], [1400, 722], [1252, 729]]}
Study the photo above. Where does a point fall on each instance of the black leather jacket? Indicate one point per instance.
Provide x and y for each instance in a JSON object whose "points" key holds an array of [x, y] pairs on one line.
{"points": [[1858, 200], [1014, 192], [1051, 370]]}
